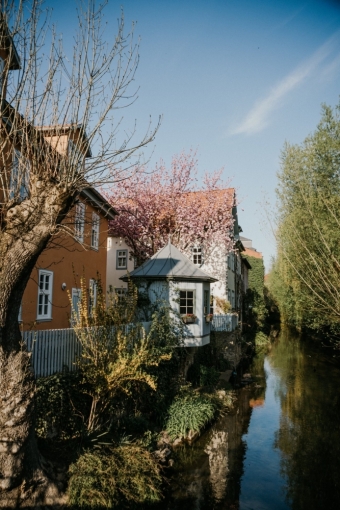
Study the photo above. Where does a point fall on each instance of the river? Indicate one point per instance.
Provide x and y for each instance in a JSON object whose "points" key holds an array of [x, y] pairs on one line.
{"points": [[280, 446]]}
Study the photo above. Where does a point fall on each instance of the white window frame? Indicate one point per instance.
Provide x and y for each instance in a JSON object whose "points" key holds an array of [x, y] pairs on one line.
{"points": [[44, 303], [79, 222], [75, 292], [186, 306], [93, 287], [121, 255], [197, 255], [206, 302], [95, 231], [20, 171], [121, 292], [211, 310]]}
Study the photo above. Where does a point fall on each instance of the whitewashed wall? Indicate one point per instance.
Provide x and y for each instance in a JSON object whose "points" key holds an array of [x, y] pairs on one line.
{"points": [[112, 273], [197, 334]]}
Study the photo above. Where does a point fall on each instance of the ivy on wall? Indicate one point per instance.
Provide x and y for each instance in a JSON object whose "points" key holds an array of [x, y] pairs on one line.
{"points": [[255, 274], [254, 300]]}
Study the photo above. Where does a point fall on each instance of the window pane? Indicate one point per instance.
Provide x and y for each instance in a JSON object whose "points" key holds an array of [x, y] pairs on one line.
{"points": [[46, 305]]}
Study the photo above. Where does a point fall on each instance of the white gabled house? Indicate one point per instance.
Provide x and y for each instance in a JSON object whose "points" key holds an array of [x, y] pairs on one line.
{"points": [[228, 269], [170, 277]]}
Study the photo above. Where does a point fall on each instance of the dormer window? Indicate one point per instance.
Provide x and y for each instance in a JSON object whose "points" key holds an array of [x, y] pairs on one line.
{"points": [[197, 255], [79, 222]]}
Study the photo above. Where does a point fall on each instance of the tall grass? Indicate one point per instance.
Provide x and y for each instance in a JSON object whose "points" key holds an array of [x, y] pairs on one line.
{"points": [[190, 411]]}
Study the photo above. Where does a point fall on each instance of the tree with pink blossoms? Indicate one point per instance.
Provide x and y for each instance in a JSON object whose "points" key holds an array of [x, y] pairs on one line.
{"points": [[168, 202]]}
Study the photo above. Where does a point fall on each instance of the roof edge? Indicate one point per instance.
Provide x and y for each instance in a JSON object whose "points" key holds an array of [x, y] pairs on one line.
{"points": [[96, 199]]}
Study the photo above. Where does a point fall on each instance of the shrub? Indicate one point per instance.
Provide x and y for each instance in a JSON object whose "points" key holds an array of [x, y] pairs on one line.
{"points": [[209, 376], [60, 406], [190, 411], [114, 477]]}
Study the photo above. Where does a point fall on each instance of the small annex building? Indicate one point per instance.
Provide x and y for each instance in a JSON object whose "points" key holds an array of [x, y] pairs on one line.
{"points": [[170, 277]]}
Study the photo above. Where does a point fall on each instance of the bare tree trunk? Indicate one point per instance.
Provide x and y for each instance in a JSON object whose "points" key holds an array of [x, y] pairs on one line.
{"points": [[23, 473]]}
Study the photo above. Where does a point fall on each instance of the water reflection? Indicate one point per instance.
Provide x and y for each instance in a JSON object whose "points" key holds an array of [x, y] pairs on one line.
{"points": [[309, 433], [217, 450], [280, 449]]}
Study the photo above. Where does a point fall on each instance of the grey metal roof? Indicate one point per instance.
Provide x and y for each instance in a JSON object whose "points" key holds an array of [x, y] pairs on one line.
{"points": [[169, 262]]}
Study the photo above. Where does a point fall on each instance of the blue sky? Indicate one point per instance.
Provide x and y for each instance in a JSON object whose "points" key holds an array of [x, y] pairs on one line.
{"points": [[233, 79]]}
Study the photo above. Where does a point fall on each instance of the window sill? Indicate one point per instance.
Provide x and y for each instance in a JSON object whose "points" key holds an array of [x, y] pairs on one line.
{"points": [[94, 248], [44, 319], [123, 268]]}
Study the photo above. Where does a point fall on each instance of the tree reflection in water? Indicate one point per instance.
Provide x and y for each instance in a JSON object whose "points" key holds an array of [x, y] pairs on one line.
{"points": [[309, 434], [280, 448]]}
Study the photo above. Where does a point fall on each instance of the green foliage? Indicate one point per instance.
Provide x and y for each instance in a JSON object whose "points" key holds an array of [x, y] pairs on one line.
{"points": [[209, 376], [118, 357], [60, 406], [114, 477], [190, 411], [261, 339], [305, 276], [254, 299], [255, 274]]}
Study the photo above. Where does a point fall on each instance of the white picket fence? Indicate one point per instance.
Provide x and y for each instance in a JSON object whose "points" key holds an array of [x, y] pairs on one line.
{"points": [[53, 350], [226, 322]]}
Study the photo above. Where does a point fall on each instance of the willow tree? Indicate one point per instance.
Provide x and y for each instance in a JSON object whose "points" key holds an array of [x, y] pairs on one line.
{"points": [[307, 270], [41, 177]]}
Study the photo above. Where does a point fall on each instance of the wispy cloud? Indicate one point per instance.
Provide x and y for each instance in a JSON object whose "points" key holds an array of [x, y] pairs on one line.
{"points": [[259, 116], [289, 18], [329, 70]]}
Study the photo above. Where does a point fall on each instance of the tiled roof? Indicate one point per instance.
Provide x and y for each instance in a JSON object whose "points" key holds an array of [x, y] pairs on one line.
{"points": [[253, 253], [169, 262]]}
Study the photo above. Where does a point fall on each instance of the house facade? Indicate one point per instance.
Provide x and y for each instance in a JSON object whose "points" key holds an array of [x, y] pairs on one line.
{"points": [[228, 267], [119, 261], [81, 253], [170, 278]]}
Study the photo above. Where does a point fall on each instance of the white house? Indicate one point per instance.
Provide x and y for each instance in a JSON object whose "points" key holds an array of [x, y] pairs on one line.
{"points": [[119, 261], [226, 268], [170, 277]]}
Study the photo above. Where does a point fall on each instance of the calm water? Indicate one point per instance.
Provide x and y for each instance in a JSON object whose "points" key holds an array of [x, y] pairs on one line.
{"points": [[279, 449]]}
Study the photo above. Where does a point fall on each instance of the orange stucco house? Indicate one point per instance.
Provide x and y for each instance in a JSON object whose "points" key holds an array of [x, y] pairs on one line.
{"points": [[80, 248], [55, 280]]}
